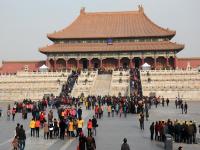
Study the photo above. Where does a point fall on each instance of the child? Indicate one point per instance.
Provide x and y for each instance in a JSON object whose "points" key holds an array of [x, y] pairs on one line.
{"points": [[15, 143]]}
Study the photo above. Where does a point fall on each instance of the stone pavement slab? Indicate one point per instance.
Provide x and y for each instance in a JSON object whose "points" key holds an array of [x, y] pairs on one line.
{"points": [[110, 132]]}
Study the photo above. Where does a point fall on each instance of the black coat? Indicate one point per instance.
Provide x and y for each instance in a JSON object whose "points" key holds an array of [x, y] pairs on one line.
{"points": [[22, 134], [152, 128], [125, 146], [82, 142], [94, 122]]}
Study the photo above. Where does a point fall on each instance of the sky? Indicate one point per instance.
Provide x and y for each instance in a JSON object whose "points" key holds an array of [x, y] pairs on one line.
{"points": [[24, 24]]}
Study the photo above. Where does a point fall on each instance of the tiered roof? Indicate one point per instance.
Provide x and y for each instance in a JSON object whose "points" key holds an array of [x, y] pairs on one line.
{"points": [[104, 47], [108, 25], [112, 25]]}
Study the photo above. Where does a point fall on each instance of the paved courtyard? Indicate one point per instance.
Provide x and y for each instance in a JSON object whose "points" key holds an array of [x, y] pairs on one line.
{"points": [[110, 132]]}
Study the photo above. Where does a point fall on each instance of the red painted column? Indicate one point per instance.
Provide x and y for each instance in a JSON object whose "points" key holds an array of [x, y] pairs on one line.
{"points": [[66, 61], [142, 60], [167, 61], [155, 63], [131, 63], [175, 62], [90, 65], [101, 63], [118, 63], [78, 65], [55, 65]]}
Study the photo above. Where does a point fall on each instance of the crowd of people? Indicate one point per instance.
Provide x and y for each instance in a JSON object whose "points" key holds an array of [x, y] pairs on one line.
{"points": [[69, 121], [181, 131]]}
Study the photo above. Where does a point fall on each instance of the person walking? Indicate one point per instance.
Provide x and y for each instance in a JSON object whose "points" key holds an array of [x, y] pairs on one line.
{"points": [[185, 107], [182, 108], [51, 127], [32, 126], [89, 127], [96, 110], [163, 102], [176, 102], [152, 128], [79, 112], [120, 111], [17, 129], [125, 145], [125, 109], [46, 130], [56, 128], [94, 125], [8, 114], [71, 128], [167, 101], [22, 138], [100, 111], [90, 143], [80, 125], [113, 110], [141, 120], [82, 142], [62, 129], [147, 114], [109, 110], [37, 128], [13, 113]]}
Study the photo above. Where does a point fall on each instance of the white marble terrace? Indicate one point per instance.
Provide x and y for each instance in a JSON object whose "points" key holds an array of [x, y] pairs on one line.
{"points": [[31, 85], [171, 83]]}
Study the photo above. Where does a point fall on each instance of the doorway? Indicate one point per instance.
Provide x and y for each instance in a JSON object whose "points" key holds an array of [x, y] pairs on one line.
{"points": [[85, 64], [96, 65], [137, 62]]}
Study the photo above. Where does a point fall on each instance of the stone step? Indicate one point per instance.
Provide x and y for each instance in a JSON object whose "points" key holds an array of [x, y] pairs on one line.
{"points": [[102, 85]]}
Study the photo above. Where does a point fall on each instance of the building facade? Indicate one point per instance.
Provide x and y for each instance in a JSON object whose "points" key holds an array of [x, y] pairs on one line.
{"points": [[111, 40]]}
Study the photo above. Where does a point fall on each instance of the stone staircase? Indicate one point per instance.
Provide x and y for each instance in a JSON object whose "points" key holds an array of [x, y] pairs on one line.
{"points": [[102, 85]]}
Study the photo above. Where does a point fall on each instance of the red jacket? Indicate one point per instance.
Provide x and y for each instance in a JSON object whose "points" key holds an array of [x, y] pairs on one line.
{"points": [[89, 126]]}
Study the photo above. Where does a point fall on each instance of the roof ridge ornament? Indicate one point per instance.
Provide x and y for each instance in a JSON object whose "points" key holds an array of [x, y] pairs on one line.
{"points": [[140, 8], [82, 11]]}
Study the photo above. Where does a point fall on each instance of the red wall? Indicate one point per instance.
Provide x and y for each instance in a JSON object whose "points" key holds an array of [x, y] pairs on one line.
{"points": [[183, 62], [14, 66]]}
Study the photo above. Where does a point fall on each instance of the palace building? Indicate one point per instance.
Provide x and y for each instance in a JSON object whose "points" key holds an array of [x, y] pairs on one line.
{"points": [[111, 40]]}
